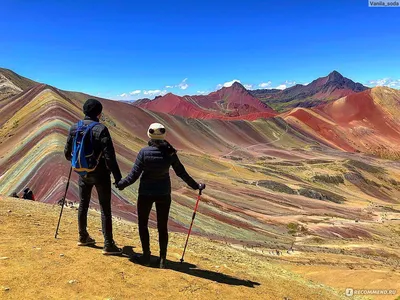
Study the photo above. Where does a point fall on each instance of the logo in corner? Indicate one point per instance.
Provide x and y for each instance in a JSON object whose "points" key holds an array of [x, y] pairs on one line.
{"points": [[349, 292]]}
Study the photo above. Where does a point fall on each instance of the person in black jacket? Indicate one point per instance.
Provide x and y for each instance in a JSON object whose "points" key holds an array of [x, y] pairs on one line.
{"points": [[28, 194], [152, 164], [100, 178]]}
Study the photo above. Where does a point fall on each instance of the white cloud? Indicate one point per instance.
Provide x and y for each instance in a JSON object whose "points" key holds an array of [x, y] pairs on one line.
{"points": [[286, 85], [229, 83], [290, 83], [155, 92], [136, 92], [124, 95], [202, 92], [151, 92], [281, 87], [265, 84], [392, 83], [183, 85]]}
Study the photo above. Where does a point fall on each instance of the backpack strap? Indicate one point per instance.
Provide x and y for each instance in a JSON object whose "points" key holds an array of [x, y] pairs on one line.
{"points": [[80, 123], [91, 125]]}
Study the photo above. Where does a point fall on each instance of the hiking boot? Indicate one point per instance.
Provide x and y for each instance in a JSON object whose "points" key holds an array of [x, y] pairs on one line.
{"points": [[86, 241], [162, 262], [142, 259], [111, 249]]}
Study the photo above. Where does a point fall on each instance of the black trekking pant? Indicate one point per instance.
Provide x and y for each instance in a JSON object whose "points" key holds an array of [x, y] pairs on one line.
{"points": [[144, 205], [103, 187]]}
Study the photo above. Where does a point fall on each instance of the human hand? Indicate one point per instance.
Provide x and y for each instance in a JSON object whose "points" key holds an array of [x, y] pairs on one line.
{"points": [[119, 185]]}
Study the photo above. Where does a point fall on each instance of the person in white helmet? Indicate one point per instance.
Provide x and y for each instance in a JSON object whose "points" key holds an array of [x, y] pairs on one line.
{"points": [[153, 164]]}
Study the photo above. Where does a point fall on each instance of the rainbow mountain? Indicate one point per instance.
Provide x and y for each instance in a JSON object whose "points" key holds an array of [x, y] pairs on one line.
{"points": [[270, 180]]}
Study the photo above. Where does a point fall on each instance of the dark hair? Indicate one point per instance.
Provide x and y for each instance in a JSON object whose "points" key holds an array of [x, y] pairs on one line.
{"points": [[92, 108], [164, 146]]}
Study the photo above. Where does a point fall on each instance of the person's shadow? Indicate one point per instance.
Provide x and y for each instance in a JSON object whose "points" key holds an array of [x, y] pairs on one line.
{"points": [[192, 270]]}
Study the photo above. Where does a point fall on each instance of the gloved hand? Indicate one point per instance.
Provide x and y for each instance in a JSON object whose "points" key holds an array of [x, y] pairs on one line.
{"points": [[202, 186], [119, 185]]}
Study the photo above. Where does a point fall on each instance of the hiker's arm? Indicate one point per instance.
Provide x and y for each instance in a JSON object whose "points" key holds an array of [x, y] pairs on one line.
{"points": [[107, 148], [68, 146], [135, 173], [181, 172]]}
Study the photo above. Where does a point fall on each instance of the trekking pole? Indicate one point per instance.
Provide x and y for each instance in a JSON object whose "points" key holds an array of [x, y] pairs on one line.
{"points": [[191, 224], [63, 200]]}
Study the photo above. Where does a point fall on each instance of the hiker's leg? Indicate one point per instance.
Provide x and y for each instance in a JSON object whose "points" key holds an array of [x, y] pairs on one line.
{"points": [[103, 187], [162, 206], [144, 205], [85, 191]]}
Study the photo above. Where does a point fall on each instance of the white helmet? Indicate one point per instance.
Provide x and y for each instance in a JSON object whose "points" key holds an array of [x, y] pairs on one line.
{"points": [[156, 131]]}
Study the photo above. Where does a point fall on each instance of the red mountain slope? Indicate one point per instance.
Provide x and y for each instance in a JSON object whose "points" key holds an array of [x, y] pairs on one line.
{"points": [[228, 103], [366, 121]]}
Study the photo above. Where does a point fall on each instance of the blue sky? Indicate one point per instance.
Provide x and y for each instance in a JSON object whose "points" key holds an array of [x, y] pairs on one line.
{"points": [[112, 48]]}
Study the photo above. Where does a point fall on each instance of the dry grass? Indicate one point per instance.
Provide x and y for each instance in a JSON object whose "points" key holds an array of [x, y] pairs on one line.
{"points": [[37, 266]]}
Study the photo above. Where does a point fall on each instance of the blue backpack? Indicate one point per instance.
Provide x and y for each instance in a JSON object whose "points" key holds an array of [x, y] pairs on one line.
{"points": [[83, 158]]}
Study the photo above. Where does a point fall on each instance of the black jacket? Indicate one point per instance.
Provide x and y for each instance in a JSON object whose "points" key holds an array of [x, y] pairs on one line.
{"points": [[102, 142], [153, 164], [28, 195]]}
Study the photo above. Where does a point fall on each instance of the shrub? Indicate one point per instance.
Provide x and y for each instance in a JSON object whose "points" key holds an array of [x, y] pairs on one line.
{"points": [[336, 179]]}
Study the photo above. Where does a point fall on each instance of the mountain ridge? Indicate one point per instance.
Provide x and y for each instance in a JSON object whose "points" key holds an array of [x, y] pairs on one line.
{"points": [[234, 102], [12, 83], [321, 90], [212, 106]]}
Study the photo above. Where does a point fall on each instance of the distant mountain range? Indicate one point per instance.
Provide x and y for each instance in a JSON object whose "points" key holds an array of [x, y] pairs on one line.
{"points": [[364, 120], [237, 102], [234, 102], [321, 90]]}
